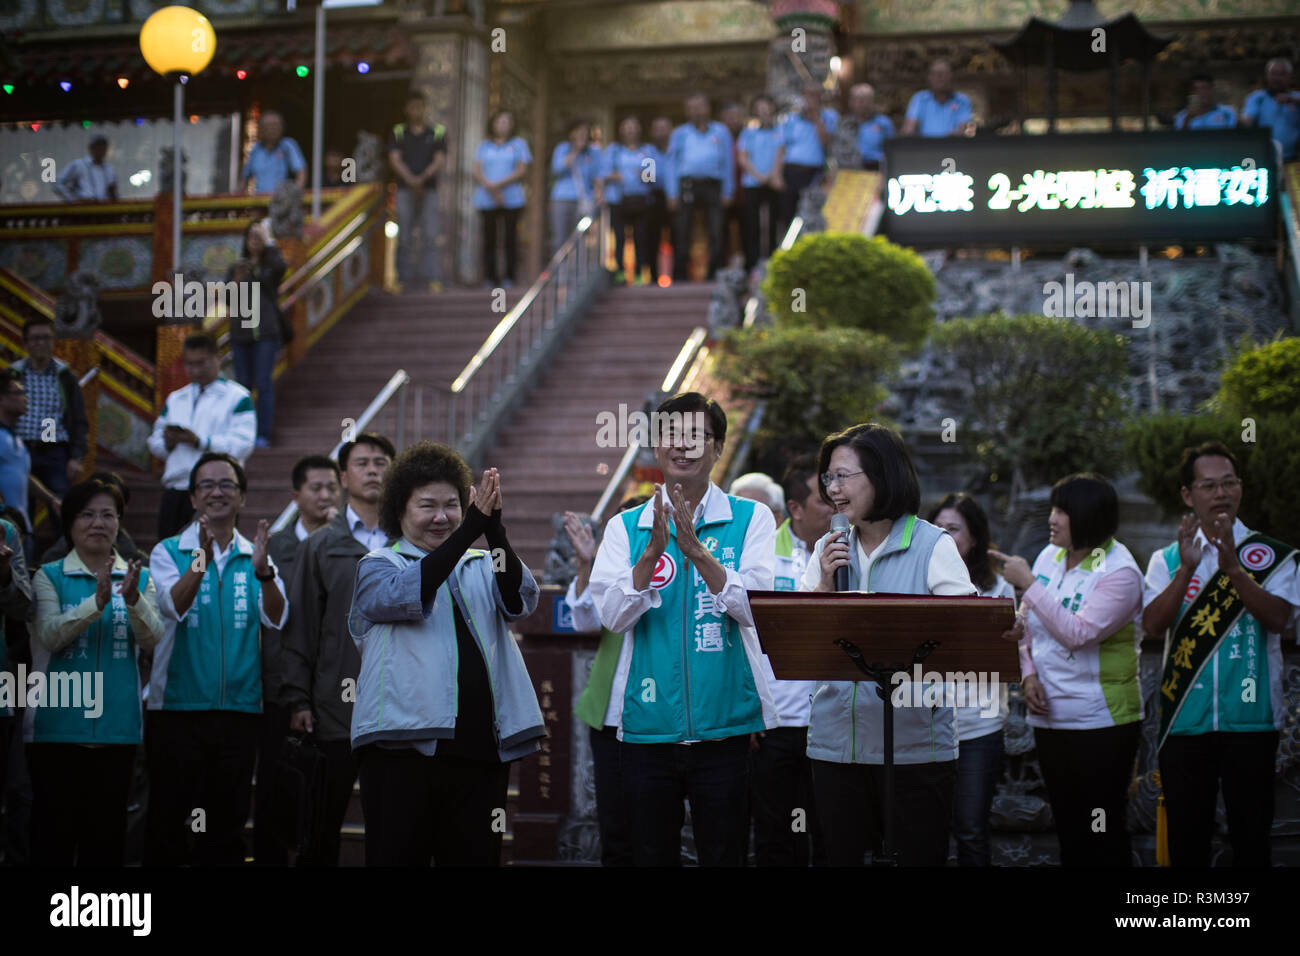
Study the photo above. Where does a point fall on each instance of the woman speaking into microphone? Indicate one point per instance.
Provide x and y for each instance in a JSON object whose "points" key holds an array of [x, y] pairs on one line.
{"points": [[868, 477]]}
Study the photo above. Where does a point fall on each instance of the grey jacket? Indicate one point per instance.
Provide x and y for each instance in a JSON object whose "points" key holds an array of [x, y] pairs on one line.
{"points": [[283, 549], [408, 685], [316, 655]]}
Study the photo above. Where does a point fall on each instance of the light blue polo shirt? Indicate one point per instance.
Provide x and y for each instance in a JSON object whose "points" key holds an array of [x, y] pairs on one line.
{"points": [[935, 118], [700, 155], [499, 161], [632, 166], [760, 145], [587, 165], [799, 137], [872, 135], [1283, 121], [270, 167], [15, 468], [1221, 117]]}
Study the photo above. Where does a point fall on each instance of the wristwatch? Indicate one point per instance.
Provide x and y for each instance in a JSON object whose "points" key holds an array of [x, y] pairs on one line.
{"points": [[267, 577]]}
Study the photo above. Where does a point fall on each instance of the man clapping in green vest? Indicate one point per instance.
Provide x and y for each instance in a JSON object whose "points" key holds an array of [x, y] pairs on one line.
{"points": [[1224, 592]]}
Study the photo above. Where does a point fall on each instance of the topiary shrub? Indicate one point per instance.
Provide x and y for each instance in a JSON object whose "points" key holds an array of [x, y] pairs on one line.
{"points": [[1262, 380], [839, 279]]}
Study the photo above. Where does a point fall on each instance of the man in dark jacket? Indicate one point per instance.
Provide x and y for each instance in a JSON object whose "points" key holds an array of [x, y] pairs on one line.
{"points": [[316, 495], [54, 427], [319, 661]]}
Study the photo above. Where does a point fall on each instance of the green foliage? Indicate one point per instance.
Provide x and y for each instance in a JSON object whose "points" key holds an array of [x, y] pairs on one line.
{"points": [[814, 381], [1262, 380], [1046, 395], [1269, 464], [837, 279]]}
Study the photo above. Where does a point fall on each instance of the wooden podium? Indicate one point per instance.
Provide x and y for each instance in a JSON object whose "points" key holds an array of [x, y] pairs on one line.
{"points": [[811, 635]]}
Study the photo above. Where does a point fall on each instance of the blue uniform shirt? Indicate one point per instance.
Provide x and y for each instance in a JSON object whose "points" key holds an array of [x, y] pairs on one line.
{"points": [[269, 167], [587, 166], [499, 161], [1283, 121], [759, 144], [938, 119], [1221, 117], [15, 467], [706, 155], [803, 146], [639, 168], [872, 135]]}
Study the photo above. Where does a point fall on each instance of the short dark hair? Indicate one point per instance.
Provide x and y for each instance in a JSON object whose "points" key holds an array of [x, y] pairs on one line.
{"points": [[1200, 78], [977, 562], [753, 104], [492, 121], [415, 94], [1092, 506], [113, 478], [35, 322], [200, 341], [78, 497], [887, 464], [695, 402], [7, 377], [632, 501], [421, 464], [794, 483], [1187, 467], [574, 124], [307, 463], [210, 456], [365, 438]]}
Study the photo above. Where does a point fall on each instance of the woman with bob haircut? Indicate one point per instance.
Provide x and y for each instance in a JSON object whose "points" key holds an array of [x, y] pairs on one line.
{"points": [[444, 701], [1079, 667], [867, 475], [94, 613], [979, 759]]}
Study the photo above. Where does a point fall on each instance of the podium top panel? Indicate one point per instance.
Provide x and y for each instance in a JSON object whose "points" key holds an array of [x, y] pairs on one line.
{"points": [[798, 630]]}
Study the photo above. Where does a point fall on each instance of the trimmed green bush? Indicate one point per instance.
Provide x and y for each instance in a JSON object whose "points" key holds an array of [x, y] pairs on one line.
{"points": [[1263, 380], [838, 279], [814, 381], [1046, 395]]}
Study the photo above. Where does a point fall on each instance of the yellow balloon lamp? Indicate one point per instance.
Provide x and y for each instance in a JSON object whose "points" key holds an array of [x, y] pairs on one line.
{"points": [[177, 39]]}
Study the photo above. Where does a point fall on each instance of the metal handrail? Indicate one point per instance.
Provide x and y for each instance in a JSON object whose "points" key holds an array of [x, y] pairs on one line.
{"points": [[88, 377], [399, 380]]}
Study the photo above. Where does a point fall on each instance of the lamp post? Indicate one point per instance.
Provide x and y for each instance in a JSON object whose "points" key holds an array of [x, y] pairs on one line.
{"points": [[177, 43]]}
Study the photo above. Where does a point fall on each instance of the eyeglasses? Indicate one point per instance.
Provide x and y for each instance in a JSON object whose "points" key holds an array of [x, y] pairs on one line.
{"points": [[689, 440], [830, 477], [1210, 487], [89, 516], [207, 487]]}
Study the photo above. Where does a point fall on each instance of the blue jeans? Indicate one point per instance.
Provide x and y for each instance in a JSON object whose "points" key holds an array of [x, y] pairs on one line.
{"points": [[712, 774], [417, 228], [979, 764], [254, 364]]}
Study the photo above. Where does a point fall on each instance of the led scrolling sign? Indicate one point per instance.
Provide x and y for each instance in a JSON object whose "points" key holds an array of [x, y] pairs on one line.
{"points": [[1125, 187]]}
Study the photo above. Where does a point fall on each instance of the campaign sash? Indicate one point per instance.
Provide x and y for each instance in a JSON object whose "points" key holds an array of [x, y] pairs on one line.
{"points": [[1207, 620]]}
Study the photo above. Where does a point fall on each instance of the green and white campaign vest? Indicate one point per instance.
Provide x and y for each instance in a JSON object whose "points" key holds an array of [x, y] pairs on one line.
{"points": [[1221, 671], [103, 657], [788, 570], [214, 658], [1096, 685], [690, 677]]}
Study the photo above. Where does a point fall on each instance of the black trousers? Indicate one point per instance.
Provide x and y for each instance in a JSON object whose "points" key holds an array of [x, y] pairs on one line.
{"points": [[1087, 771], [503, 222], [79, 797], [850, 802], [611, 813], [267, 847], [1192, 769], [340, 774], [786, 827], [659, 221], [419, 808], [697, 196], [199, 760], [174, 512], [751, 227], [797, 179], [637, 212]]}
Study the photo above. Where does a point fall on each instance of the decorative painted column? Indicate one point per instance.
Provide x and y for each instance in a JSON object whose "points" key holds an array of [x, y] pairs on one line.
{"points": [[803, 34]]}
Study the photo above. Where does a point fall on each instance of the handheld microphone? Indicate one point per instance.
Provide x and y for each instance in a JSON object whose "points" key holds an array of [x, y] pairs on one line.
{"points": [[841, 523]]}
